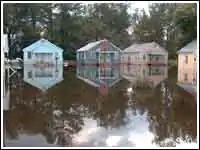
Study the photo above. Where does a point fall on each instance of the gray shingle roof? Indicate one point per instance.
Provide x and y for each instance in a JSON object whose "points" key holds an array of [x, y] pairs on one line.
{"points": [[146, 47], [88, 46], [189, 48], [93, 44], [41, 42]]}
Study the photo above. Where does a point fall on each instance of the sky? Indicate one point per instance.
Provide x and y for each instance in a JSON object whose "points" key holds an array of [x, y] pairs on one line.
{"points": [[140, 5]]}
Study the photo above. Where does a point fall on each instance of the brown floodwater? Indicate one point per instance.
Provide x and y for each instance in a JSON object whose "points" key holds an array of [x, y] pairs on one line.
{"points": [[129, 106]]}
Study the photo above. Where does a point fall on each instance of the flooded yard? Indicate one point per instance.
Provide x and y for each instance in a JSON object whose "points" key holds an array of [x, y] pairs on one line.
{"points": [[128, 106]]}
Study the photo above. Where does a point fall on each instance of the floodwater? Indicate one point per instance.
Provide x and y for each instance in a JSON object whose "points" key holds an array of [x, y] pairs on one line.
{"points": [[128, 106]]}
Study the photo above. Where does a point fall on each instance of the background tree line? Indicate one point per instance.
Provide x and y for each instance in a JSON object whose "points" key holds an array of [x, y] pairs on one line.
{"points": [[72, 25]]}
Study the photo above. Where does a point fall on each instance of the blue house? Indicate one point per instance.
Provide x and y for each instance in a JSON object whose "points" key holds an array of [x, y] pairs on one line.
{"points": [[43, 52], [43, 77], [99, 52]]}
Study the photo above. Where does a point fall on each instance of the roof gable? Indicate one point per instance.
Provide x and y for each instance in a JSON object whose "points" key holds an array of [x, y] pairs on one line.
{"points": [[89, 46], [145, 47], [189, 48], [42, 43]]}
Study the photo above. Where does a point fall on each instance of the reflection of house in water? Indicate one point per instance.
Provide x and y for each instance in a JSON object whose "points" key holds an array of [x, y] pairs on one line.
{"points": [[43, 51], [43, 78], [98, 52], [97, 76], [139, 74], [187, 67]]}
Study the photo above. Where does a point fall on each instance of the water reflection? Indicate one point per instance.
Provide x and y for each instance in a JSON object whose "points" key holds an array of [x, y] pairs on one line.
{"points": [[6, 90], [102, 76], [73, 113], [144, 75], [43, 77]]}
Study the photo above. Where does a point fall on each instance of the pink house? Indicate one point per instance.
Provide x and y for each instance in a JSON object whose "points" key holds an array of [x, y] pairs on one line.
{"points": [[187, 67]]}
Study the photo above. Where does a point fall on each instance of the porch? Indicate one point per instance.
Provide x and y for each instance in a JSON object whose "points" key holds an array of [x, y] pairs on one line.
{"points": [[156, 59]]}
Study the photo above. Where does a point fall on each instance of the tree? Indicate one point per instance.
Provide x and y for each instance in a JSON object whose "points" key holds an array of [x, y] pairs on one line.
{"points": [[186, 21], [71, 27], [170, 25]]}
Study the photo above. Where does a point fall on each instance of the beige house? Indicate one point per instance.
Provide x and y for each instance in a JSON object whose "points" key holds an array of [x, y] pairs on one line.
{"points": [[147, 53], [187, 67]]}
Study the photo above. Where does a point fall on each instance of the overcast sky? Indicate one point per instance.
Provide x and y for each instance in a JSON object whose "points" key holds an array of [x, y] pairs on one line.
{"points": [[141, 5]]}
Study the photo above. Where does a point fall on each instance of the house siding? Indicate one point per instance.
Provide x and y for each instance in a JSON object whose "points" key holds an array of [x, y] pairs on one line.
{"points": [[94, 55], [138, 58], [188, 68], [37, 49], [34, 59]]}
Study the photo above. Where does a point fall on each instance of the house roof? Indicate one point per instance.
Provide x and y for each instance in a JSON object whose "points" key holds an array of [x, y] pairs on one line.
{"points": [[42, 42], [88, 46], [189, 48], [44, 83], [93, 44], [151, 47], [97, 82]]}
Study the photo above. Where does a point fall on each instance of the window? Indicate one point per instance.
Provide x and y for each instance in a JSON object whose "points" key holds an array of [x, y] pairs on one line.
{"points": [[30, 74], [150, 57], [97, 55], [186, 59], [185, 77], [112, 72], [112, 56], [56, 55], [157, 70], [97, 73], [144, 57], [29, 55], [143, 72], [129, 59], [157, 58], [194, 77]]}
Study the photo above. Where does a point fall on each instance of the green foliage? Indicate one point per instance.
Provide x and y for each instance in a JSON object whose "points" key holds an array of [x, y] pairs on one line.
{"points": [[175, 21], [76, 24], [71, 27]]}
